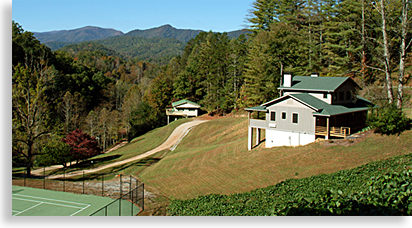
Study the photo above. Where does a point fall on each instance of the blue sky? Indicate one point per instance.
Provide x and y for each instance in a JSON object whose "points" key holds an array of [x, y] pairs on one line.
{"points": [[127, 15]]}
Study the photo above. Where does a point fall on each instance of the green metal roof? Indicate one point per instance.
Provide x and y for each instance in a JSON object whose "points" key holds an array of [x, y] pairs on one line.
{"points": [[320, 107], [183, 102], [308, 83], [259, 108], [325, 109]]}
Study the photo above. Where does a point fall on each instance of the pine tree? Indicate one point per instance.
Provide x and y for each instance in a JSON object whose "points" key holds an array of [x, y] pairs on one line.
{"points": [[262, 15]]}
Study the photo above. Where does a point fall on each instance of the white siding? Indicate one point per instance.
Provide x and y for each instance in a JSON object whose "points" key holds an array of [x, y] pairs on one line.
{"points": [[306, 121], [287, 138]]}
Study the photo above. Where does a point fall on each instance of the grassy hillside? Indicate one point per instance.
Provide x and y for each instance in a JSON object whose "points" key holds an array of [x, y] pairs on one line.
{"points": [[378, 188], [213, 159], [136, 147]]}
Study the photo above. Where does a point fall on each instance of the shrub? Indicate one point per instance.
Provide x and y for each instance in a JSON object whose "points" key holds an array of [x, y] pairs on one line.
{"points": [[388, 120], [82, 144], [55, 152]]}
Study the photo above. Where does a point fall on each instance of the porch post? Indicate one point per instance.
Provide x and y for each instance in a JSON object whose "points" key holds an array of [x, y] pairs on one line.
{"points": [[167, 119], [327, 129], [257, 136], [249, 138]]}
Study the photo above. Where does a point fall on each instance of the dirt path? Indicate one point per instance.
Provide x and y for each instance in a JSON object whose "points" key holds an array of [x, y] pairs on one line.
{"points": [[170, 142]]}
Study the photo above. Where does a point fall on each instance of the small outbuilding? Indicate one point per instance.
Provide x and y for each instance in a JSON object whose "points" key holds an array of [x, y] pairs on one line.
{"points": [[182, 109]]}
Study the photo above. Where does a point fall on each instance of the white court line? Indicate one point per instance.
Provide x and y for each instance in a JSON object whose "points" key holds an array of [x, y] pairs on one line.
{"points": [[35, 197], [29, 208], [79, 211], [41, 202], [47, 203]]}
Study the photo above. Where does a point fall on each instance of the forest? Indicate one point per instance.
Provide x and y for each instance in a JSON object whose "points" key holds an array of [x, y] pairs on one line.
{"points": [[111, 98]]}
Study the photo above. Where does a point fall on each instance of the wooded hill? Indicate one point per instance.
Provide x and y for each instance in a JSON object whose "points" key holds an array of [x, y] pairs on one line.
{"points": [[109, 96], [157, 45]]}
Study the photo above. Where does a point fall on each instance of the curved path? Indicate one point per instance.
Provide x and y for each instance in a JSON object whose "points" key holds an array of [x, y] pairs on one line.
{"points": [[170, 142]]}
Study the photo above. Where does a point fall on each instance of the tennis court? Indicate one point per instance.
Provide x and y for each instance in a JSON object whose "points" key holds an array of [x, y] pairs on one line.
{"points": [[40, 202]]}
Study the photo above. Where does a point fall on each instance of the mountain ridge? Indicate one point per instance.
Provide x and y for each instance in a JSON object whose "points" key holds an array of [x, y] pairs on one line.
{"points": [[91, 33], [86, 33]]}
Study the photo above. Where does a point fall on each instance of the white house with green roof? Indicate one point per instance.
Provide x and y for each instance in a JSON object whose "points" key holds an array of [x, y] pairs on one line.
{"points": [[309, 107], [182, 108]]}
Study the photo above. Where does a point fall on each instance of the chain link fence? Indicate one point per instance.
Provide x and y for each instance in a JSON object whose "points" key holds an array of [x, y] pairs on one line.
{"points": [[127, 191]]}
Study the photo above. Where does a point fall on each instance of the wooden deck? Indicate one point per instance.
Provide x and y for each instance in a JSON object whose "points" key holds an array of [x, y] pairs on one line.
{"points": [[340, 132]]}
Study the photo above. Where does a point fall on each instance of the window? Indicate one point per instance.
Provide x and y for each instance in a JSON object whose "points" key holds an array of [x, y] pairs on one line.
{"points": [[283, 115], [348, 95], [341, 96], [325, 95], [273, 116], [294, 118]]}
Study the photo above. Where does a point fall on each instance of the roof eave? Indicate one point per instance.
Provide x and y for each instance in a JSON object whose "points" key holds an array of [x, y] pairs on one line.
{"points": [[314, 90]]}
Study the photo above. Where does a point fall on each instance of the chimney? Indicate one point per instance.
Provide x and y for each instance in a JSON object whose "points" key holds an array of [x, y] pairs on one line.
{"points": [[314, 74], [287, 79]]}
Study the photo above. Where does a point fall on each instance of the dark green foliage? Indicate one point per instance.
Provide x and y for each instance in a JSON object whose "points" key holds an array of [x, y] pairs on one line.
{"points": [[378, 188], [143, 119], [55, 152], [77, 35], [183, 35], [388, 120], [159, 50]]}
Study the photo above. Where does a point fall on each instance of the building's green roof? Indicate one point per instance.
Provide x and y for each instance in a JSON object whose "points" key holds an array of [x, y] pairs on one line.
{"points": [[259, 108], [174, 104], [320, 107], [308, 83], [325, 109]]}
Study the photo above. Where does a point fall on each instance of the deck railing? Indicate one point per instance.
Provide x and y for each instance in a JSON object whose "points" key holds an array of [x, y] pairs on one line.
{"points": [[171, 112], [333, 131], [258, 123]]}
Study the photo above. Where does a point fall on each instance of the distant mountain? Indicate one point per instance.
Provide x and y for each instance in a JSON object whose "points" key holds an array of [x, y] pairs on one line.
{"points": [[155, 44], [183, 35], [58, 39], [157, 50], [76, 35]]}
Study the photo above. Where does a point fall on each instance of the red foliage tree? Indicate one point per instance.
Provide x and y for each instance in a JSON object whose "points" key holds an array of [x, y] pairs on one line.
{"points": [[82, 144]]}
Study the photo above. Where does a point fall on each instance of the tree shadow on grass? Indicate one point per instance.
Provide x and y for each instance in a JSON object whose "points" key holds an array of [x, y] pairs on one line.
{"points": [[145, 162]]}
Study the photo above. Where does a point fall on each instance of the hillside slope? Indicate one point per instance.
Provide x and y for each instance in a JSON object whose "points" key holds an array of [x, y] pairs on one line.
{"points": [[214, 158], [377, 188]]}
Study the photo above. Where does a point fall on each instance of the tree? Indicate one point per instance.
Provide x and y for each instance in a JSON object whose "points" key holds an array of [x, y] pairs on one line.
{"points": [[72, 108], [386, 54], [55, 152], [82, 144], [260, 70], [270, 53], [388, 120], [262, 15], [405, 26], [31, 115]]}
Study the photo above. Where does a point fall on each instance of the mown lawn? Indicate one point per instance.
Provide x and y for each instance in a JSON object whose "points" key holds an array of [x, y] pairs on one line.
{"points": [[213, 159]]}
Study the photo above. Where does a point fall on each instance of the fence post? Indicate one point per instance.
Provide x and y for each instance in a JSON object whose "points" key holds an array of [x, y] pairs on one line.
{"points": [[64, 180], [83, 181], [44, 177], [102, 183], [120, 206], [24, 177], [143, 196], [121, 186]]}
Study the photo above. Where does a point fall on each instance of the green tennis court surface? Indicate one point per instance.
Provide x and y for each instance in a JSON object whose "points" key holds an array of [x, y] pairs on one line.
{"points": [[40, 202]]}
